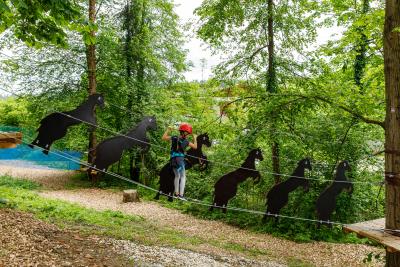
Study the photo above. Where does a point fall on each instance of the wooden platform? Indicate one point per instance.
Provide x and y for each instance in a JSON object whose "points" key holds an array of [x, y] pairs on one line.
{"points": [[364, 229], [10, 139]]}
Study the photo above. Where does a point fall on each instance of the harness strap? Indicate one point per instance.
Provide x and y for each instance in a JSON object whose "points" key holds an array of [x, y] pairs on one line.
{"points": [[176, 154]]}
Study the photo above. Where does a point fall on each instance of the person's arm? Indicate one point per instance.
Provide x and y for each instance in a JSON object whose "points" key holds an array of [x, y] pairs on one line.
{"points": [[194, 144], [166, 136]]}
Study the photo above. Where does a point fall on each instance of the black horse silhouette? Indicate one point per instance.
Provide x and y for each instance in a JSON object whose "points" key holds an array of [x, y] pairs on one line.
{"points": [[226, 186], [326, 202], [278, 196], [192, 157], [196, 156], [55, 125], [110, 150]]}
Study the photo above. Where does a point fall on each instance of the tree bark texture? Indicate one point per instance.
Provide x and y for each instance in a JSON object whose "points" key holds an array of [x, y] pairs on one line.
{"points": [[271, 88], [391, 44], [91, 64], [361, 48]]}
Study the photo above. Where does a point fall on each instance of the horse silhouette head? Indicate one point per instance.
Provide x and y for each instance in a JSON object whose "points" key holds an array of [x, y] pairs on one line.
{"points": [[98, 99], [204, 139], [151, 122], [340, 176], [305, 164], [344, 165], [257, 154]]}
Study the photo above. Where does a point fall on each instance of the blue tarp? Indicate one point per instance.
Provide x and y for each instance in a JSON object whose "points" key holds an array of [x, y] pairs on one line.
{"points": [[24, 153]]}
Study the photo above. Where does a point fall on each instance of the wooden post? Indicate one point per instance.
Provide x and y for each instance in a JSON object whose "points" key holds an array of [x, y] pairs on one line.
{"points": [[130, 196], [391, 45]]}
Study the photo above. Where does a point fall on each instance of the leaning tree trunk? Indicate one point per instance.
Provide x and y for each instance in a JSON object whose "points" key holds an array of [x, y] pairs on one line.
{"points": [[391, 44], [91, 64], [271, 88]]}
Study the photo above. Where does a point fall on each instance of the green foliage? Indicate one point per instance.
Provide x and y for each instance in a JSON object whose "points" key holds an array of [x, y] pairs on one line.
{"points": [[38, 22], [378, 257], [328, 106], [14, 112], [241, 28]]}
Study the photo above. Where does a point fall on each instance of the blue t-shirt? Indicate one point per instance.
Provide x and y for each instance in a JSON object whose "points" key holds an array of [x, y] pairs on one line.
{"points": [[178, 146]]}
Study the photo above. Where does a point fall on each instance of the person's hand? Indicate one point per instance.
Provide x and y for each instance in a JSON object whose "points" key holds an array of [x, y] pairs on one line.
{"points": [[194, 136]]}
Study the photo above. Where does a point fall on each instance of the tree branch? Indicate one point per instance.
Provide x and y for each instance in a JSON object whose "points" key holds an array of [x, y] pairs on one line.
{"points": [[352, 112]]}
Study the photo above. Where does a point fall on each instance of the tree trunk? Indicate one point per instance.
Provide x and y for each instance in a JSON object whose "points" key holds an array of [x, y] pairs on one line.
{"points": [[272, 88], [361, 48], [135, 72], [391, 44], [91, 64]]}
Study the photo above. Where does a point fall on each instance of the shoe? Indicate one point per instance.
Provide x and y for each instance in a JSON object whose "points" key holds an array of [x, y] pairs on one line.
{"points": [[181, 197]]}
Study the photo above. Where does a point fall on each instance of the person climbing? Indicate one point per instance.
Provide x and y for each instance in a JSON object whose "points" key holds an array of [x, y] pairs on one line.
{"points": [[178, 146]]}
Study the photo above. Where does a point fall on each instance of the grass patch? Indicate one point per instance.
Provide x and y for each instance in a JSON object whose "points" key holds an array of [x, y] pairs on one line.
{"points": [[18, 183], [107, 223], [297, 231], [81, 180], [298, 263]]}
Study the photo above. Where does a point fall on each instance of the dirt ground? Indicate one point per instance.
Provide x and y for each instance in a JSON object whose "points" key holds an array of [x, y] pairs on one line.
{"points": [[314, 253], [26, 241]]}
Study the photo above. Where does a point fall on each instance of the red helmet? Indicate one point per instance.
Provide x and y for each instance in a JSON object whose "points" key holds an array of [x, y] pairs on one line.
{"points": [[185, 127]]}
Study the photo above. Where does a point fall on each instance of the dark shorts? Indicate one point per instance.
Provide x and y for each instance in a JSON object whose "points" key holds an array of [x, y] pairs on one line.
{"points": [[178, 162]]}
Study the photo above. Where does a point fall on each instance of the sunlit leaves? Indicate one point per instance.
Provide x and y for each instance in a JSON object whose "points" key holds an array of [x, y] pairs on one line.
{"points": [[38, 21]]}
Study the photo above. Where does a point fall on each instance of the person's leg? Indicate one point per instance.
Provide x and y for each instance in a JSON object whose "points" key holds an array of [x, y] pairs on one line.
{"points": [[182, 181], [176, 181]]}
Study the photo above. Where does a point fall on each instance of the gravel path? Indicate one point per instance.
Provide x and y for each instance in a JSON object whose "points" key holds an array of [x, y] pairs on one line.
{"points": [[315, 253], [50, 178], [26, 241], [162, 256]]}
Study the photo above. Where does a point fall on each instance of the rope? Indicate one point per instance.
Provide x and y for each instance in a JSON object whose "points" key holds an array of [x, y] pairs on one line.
{"points": [[282, 132], [214, 162], [201, 203], [320, 163]]}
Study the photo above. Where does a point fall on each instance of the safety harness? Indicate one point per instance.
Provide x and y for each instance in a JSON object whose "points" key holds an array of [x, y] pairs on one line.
{"points": [[178, 146]]}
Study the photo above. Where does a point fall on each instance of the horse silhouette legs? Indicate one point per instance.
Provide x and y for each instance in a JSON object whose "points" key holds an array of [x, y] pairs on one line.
{"points": [[157, 196], [220, 203], [269, 214]]}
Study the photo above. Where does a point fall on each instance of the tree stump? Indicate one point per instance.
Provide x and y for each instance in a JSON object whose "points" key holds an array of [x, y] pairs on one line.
{"points": [[130, 196]]}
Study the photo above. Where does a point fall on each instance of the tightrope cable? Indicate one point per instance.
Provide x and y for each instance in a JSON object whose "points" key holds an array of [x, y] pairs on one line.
{"points": [[214, 162], [201, 203]]}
